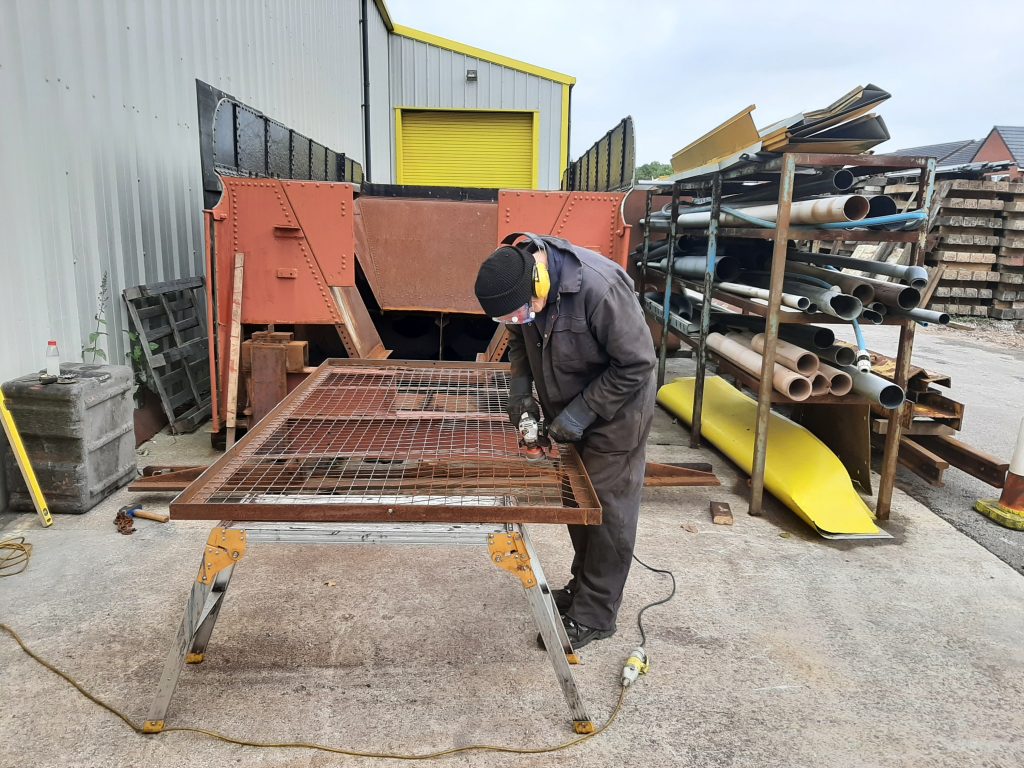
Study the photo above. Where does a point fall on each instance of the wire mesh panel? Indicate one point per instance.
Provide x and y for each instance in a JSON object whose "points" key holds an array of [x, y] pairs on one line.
{"points": [[392, 441]]}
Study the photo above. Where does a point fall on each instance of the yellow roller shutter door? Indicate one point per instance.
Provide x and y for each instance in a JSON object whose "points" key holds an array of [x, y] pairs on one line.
{"points": [[466, 149]]}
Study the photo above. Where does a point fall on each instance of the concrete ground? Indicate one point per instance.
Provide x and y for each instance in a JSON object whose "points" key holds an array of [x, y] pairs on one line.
{"points": [[781, 648], [987, 368]]}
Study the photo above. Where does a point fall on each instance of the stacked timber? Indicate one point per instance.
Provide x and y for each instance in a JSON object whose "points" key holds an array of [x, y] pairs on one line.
{"points": [[1008, 297], [976, 234]]}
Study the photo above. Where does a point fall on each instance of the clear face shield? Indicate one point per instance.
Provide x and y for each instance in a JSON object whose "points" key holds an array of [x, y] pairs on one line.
{"points": [[521, 316]]}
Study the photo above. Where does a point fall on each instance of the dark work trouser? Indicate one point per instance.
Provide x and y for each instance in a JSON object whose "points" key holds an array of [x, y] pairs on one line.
{"points": [[604, 552]]}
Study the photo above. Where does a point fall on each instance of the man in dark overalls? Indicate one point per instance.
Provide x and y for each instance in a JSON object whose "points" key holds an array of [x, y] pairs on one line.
{"points": [[577, 332]]}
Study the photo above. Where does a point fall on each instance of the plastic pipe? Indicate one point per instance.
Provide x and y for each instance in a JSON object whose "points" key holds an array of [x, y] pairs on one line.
{"points": [[876, 389], [828, 300], [840, 382], [879, 307], [854, 286], [791, 384], [924, 315], [788, 299], [916, 277], [790, 355]]}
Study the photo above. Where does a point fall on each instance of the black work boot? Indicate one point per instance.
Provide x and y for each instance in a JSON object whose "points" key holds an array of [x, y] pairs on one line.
{"points": [[579, 634], [563, 599]]}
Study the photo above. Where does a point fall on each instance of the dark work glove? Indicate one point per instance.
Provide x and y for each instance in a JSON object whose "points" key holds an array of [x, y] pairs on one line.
{"points": [[520, 400], [569, 425]]}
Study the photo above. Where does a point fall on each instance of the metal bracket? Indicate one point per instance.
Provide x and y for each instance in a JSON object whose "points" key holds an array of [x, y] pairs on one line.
{"points": [[508, 552], [224, 548]]}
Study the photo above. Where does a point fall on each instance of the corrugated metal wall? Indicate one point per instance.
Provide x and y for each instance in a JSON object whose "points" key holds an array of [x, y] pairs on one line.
{"points": [[99, 150], [426, 76], [382, 123]]}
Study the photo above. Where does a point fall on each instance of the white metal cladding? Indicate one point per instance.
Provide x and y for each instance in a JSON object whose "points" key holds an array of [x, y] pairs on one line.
{"points": [[427, 76], [99, 147], [382, 123]]}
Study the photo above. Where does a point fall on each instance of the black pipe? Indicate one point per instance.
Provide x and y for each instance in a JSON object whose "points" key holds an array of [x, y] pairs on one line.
{"points": [[366, 93]]}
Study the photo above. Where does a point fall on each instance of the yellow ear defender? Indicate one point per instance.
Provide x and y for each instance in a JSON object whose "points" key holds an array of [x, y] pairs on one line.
{"points": [[541, 281]]}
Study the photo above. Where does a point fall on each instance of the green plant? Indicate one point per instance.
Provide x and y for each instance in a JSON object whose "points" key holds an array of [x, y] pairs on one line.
{"points": [[136, 358], [94, 347], [653, 170]]}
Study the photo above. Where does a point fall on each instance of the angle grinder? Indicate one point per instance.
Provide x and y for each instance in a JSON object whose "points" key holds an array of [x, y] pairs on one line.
{"points": [[532, 439]]}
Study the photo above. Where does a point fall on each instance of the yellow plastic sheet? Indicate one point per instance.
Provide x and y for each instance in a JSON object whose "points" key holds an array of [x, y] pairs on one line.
{"points": [[801, 471]]}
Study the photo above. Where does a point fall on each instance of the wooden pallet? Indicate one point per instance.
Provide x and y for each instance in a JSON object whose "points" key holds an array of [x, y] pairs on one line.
{"points": [[169, 321]]}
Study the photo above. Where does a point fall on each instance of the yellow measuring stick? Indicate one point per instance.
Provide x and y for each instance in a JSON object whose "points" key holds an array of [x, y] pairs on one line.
{"points": [[23, 463]]}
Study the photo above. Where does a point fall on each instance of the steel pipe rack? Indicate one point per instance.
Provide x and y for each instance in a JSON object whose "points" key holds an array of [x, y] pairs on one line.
{"points": [[784, 167]]}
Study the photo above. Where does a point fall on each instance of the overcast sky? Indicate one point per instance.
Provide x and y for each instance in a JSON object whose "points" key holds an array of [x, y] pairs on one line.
{"points": [[954, 68]]}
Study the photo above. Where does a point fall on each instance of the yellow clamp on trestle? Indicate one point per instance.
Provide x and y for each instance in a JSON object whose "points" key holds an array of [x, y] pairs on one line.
{"points": [[583, 726], [153, 726], [508, 552], [224, 548]]}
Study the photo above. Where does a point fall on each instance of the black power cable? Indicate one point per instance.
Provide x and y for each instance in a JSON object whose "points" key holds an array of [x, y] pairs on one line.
{"points": [[640, 616]]}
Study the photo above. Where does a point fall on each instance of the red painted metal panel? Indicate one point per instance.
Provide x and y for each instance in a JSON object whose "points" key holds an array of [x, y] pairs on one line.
{"points": [[589, 219], [325, 213]]}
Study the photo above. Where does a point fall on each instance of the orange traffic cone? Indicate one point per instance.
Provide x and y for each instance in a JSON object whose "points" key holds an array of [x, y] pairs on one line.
{"points": [[1009, 509]]}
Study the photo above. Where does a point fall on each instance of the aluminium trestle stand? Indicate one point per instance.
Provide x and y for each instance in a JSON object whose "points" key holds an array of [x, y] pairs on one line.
{"points": [[508, 545]]}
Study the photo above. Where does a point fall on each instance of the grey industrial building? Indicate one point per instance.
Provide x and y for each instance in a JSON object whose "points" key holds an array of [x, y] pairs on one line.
{"points": [[101, 175]]}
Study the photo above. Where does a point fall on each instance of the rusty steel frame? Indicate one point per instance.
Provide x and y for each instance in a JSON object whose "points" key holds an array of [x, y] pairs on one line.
{"points": [[392, 441]]}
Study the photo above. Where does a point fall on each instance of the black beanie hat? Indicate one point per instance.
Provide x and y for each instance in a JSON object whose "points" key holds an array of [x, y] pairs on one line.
{"points": [[505, 281]]}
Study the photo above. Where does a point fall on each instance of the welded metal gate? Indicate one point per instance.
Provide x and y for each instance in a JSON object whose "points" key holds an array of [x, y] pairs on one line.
{"points": [[395, 441]]}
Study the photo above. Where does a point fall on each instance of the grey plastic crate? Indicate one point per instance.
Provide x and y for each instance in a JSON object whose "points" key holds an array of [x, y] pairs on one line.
{"points": [[79, 436]]}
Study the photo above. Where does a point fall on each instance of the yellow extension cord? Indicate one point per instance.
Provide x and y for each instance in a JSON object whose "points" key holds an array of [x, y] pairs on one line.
{"points": [[14, 555], [308, 745]]}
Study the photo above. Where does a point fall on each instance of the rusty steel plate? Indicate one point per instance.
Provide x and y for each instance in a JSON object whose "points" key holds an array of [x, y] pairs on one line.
{"points": [[392, 441], [423, 255]]}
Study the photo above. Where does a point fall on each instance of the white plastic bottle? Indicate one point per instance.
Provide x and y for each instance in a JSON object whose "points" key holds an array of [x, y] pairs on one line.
{"points": [[52, 359]]}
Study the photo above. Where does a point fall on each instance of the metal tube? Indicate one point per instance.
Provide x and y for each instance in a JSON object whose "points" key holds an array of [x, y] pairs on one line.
{"points": [[790, 383], [816, 184], [915, 276], [790, 355], [840, 382], [887, 481], [820, 384], [788, 299], [875, 388], [839, 354], [806, 336], [871, 316], [710, 267], [669, 264], [778, 272], [881, 205], [726, 268], [819, 211], [646, 250]]}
